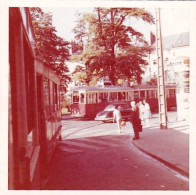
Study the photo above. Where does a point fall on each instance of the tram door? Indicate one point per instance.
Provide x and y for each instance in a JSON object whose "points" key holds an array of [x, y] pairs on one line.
{"points": [[41, 128]]}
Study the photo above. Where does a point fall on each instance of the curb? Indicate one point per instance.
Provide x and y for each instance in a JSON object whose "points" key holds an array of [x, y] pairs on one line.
{"points": [[170, 165]]}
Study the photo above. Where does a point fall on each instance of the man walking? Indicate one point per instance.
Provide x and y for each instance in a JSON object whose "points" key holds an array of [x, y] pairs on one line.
{"points": [[135, 120]]}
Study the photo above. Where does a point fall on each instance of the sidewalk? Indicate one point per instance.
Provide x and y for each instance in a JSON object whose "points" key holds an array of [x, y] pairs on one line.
{"points": [[170, 146]]}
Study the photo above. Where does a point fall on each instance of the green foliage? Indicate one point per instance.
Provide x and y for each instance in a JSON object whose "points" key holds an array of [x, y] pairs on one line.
{"points": [[52, 48], [111, 47], [153, 81], [79, 74], [76, 47]]}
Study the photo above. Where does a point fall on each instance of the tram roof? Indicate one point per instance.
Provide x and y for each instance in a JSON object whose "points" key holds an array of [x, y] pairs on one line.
{"points": [[152, 86], [96, 88], [116, 88]]}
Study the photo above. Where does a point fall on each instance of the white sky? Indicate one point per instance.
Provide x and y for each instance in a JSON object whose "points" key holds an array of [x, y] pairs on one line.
{"points": [[173, 20]]}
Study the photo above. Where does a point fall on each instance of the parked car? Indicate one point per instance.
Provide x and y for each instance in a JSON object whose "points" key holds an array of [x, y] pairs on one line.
{"points": [[106, 115]]}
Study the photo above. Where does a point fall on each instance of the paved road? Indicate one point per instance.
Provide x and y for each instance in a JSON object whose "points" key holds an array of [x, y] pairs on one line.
{"points": [[93, 156]]}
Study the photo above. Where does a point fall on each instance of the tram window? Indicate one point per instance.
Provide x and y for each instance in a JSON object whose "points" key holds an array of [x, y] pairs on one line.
{"points": [[150, 94], [130, 96], [58, 97], [29, 96], [142, 94], [121, 96], [55, 94], [106, 97], [98, 98], [51, 96], [46, 96], [91, 98], [113, 97], [86, 98], [103, 97], [94, 98], [136, 94], [75, 98], [172, 93], [82, 98], [29, 84]]}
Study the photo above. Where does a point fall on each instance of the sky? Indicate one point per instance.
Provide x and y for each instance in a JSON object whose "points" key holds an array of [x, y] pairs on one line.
{"points": [[173, 21]]}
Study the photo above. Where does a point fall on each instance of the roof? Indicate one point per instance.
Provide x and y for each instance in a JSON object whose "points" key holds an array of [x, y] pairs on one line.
{"points": [[96, 88], [178, 40], [116, 88]]}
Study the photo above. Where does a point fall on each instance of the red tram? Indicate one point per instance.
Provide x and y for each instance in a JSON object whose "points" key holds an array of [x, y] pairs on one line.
{"points": [[88, 101], [34, 107]]}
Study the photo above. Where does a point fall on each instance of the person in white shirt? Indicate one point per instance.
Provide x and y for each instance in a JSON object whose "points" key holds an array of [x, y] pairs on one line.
{"points": [[147, 113], [141, 111], [117, 116]]}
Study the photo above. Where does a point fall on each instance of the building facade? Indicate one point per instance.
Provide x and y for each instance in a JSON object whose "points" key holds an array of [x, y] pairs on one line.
{"points": [[176, 59]]}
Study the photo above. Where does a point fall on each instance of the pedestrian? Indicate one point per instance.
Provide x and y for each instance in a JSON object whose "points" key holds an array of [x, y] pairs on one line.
{"points": [[141, 111], [147, 113], [118, 117], [135, 120]]}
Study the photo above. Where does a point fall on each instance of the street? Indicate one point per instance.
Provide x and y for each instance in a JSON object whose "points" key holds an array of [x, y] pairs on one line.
{"points": [[94, 156]]}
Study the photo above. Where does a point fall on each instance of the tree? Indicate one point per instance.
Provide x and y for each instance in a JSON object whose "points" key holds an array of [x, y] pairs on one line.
{"points": [[76, 47], [79, 75], [112, 48], [153, 81], [53, 49]]}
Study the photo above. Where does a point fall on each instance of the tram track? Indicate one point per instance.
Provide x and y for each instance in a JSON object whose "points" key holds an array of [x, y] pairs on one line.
{"points": [[81, 129]]}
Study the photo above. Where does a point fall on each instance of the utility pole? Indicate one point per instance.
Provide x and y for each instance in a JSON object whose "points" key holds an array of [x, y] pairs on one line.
{"points": [[160, 80]]}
